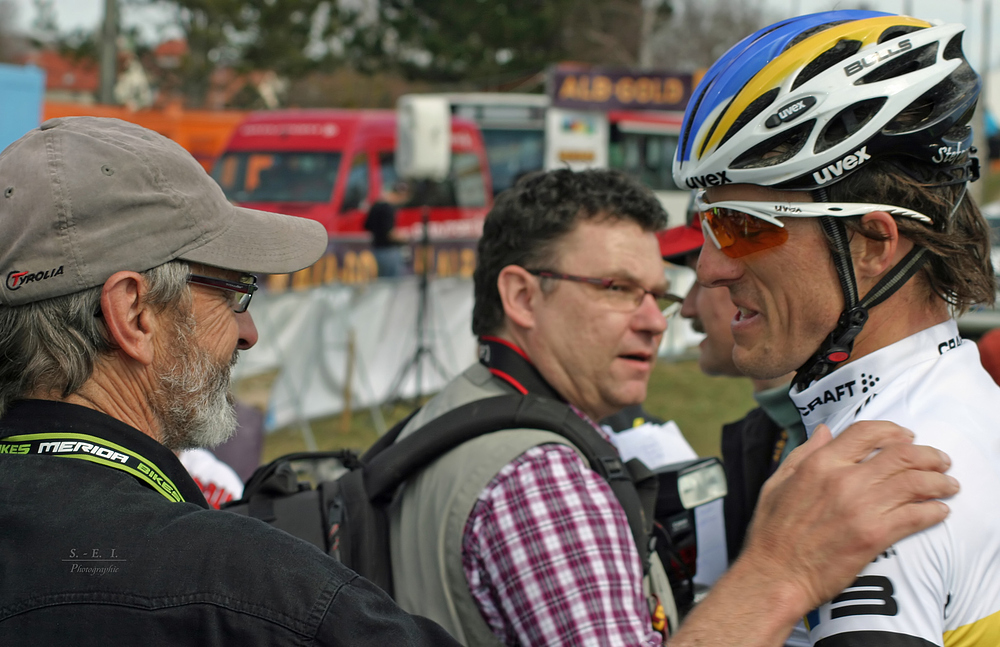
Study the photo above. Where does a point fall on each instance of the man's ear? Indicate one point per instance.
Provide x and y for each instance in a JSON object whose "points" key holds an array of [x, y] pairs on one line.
{"points": [[130, 322], [874, 256], [518, 293]]}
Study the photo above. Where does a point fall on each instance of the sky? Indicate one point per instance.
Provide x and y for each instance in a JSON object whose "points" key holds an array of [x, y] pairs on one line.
{"points": [[88, 14], [71, 14]]}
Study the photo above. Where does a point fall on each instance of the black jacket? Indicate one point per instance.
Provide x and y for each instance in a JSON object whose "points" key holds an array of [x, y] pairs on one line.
{"points": [[748, 448], [380, 221], [91, 555]]}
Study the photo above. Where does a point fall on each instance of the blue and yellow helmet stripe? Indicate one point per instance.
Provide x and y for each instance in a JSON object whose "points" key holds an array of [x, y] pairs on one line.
{"points": [[763, 61]]}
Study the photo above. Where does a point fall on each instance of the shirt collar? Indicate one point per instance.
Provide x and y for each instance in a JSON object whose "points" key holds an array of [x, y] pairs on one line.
{"points": [[778, 406]]}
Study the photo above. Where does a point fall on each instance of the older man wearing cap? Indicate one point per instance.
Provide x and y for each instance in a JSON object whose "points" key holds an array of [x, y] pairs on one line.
{"points": [[122, 308]]}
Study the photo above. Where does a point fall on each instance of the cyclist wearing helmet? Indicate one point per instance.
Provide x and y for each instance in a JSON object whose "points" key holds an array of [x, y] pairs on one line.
{"points": [[834, 151]]}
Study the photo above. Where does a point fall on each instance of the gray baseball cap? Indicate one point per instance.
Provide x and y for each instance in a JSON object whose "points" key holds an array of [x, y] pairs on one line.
{"points": [[84, 197]]}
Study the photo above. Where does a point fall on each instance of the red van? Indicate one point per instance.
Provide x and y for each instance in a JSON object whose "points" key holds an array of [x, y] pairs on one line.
{"points": [[330, 165]]}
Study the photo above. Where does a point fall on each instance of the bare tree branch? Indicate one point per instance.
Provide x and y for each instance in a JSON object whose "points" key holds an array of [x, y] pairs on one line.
{"points": [[8, 16], [700, 31]]}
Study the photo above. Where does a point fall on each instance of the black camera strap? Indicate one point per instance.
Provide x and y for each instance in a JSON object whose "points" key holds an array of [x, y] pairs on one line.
{"points": [[510, 364]]}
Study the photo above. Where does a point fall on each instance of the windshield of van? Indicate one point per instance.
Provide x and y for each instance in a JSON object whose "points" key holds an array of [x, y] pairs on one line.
{"points": [[464, 186], [513, 153], [277, 177], [646, 157]]}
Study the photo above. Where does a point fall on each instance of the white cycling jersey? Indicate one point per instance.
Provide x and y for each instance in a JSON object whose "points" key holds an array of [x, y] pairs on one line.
{"points": [[940, 586]]}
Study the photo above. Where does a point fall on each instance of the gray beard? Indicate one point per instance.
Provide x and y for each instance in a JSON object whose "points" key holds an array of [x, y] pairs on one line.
{"points": [[192, 400]]}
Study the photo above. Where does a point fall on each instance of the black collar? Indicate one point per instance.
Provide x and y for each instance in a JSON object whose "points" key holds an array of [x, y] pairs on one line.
{"points": [[26, 417], [509, 363]]}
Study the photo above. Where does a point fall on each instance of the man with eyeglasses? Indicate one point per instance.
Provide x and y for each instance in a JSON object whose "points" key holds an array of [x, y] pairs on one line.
{"points": [[512, 539], [835, 150], [122, 312]]}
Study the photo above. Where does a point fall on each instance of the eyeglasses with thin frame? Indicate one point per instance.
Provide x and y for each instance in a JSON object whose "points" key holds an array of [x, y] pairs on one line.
{"points": [[626, 294], [245, 288], [741, 227]]}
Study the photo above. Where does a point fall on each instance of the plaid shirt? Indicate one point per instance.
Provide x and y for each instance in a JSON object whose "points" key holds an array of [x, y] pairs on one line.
{"points": [[550, 559]]}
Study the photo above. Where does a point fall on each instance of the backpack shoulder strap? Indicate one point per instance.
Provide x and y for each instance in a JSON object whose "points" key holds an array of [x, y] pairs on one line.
{"points": [[387, 469], [388, 438]]}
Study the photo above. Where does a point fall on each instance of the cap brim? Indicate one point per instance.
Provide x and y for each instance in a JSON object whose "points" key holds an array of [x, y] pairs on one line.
{"points": [[263, 242], [677, 242]]}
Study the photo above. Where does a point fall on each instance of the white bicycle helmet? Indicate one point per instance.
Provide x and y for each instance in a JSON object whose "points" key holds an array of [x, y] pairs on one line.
{"points": [[805, 102]]}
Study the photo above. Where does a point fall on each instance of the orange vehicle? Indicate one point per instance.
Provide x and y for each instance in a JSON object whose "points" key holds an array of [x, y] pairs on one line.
{"points": [[331, 165], [203, 133]]}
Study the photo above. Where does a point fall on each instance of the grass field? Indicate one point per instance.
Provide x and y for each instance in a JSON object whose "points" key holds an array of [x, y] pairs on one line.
{"points": [[678, 391]]}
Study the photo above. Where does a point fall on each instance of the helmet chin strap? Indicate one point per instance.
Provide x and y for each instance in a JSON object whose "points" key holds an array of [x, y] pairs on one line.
{"points": [[837, 347]]}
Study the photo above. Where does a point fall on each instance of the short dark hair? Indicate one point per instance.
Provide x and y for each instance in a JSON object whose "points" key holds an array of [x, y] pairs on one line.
{"points": [[529, 219], [959, 270]]}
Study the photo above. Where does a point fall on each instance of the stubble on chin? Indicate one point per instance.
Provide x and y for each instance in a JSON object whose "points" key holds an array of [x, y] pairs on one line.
{"points": [[763, 363]]}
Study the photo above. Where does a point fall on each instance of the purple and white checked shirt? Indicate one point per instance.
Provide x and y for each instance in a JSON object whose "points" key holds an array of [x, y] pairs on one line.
{"points": [[550, 559]]}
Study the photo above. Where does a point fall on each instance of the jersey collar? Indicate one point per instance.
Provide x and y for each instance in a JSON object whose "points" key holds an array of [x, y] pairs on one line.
{"points": [[840, 395]]}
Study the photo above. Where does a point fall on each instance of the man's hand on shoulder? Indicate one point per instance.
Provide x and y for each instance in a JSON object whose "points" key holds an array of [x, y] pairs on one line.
{"points": [[831, 507], [835, 504]]}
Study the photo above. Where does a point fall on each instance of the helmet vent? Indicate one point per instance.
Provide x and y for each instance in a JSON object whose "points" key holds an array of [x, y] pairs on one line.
{"points": [[756, 107], [942, 99], [911, 117], [954, 48], [847, 122], [843, 49], [687, 131], [906, 63], [812, 32], [777, 149], [715, 125], [897, 31]]}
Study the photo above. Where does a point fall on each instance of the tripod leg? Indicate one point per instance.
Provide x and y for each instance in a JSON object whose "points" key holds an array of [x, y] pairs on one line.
{"points": [[438, 366], [397, 384]]}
